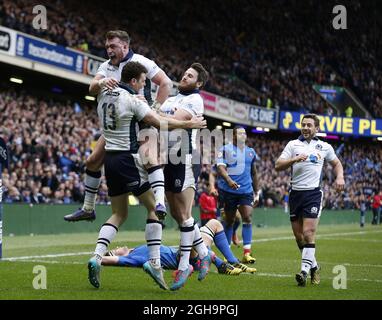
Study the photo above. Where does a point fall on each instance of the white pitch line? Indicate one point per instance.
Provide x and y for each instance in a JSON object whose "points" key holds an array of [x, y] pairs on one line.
{"points": [[47, 261], [48, 256]]}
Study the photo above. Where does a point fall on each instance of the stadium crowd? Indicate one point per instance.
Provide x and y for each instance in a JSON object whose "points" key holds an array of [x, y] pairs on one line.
{"points": [[50, 140], [256, 53]]}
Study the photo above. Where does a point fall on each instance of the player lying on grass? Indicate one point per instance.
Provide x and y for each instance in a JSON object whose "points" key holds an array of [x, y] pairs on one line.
{"points": [[212, 231]]}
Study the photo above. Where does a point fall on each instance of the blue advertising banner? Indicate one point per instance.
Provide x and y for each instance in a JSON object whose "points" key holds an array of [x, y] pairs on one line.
{"points": [[336, 125], [48, 53]]}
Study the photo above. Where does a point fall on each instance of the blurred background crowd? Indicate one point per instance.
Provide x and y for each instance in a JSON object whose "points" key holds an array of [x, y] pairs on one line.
{"points": [[255, 53]]}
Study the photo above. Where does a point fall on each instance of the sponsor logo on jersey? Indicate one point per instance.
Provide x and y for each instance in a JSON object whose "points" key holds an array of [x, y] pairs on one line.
{"points": [[112, 93]]}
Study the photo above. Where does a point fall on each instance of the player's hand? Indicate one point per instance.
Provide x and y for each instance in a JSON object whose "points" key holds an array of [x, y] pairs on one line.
{"points": [[141, 97], [233, 185], [108, 83], [156, 105], [197, 122], [300, 158], [256, 198], [214, 192], [339, 184]]}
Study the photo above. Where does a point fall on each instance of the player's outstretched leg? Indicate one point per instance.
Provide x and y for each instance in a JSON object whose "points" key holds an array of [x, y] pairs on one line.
{"points": [[156, 273]]}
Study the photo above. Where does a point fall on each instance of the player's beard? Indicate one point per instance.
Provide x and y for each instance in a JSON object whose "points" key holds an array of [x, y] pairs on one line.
{"points": [[187, 87]]}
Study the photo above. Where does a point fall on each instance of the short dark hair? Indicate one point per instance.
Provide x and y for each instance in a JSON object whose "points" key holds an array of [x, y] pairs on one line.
{"points": [[122, 35], [132, 70], [202, 73], [312, 116]]}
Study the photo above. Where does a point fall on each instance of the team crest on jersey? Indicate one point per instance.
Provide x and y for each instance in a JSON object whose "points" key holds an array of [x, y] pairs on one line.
{"points": [[318, 147], [314, 210], [178, 183]]}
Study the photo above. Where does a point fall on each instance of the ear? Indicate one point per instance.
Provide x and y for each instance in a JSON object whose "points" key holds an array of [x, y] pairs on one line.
{"points": [[199, 84]]}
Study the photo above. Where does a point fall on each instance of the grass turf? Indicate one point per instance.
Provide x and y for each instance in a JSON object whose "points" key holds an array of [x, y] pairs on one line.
{"points": [[278, 259]]}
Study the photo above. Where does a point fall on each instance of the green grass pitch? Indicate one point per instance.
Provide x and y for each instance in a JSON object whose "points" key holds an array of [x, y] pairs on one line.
{"points": [[65, 258]]}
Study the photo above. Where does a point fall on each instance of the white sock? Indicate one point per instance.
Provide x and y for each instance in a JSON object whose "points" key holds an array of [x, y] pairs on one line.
{"points": [[153, 235], [106, 235], [314, 263], [199, 244], [187, 232], [307, 257], [92, 182], [156, 180]]}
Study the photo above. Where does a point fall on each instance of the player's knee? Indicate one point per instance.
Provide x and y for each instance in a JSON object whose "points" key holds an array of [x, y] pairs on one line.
{"points": [[247, 219], [215, 225], [93, 164], [309, 235]]}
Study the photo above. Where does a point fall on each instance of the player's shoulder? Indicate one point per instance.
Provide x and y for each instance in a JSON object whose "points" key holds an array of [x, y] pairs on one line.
{"points": [[295, 143], [195, 97], [322, 145], [193, 100], [106, 66], [141, 59], [251, 151]]}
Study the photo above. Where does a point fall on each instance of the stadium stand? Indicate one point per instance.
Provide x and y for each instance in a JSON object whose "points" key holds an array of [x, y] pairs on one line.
{"points": [[267, 57]]}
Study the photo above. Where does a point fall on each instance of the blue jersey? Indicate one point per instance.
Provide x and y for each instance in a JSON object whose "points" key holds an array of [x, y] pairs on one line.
{"points": [[138, 256], [239, 167]]}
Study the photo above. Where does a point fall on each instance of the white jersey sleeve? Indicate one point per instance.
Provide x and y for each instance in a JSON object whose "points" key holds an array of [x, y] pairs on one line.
{"points": [[193, 104], [330, 154], [287, 152], [150, 65], [139, 108], [102, 69]]}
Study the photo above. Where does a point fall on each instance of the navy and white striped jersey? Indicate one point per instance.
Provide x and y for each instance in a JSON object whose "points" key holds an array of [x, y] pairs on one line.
{"points": [[119, 112]]}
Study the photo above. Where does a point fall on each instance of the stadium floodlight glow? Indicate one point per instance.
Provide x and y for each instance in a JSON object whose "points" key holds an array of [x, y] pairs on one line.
{"points": [[90, 98], [227, 124], [379, 138], [267, 129], [219, 127], [259, 129], [16, 80]]}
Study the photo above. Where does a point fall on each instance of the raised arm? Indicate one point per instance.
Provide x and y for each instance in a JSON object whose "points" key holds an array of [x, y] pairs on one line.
{"points": [[165, 85]]}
